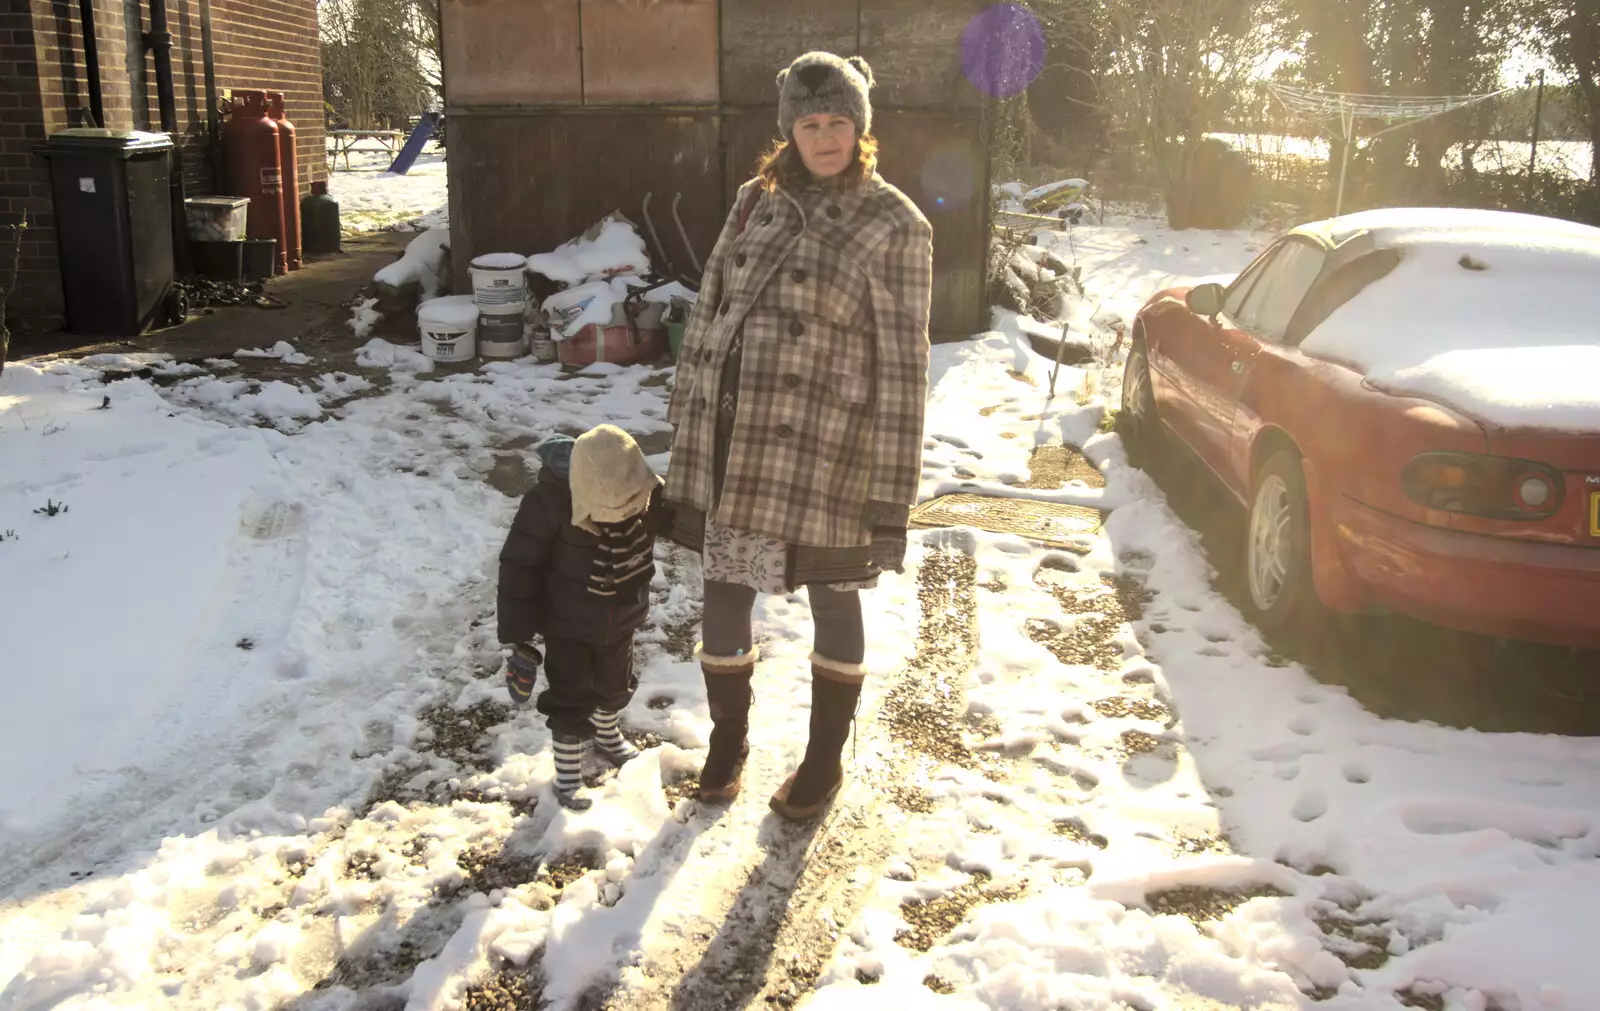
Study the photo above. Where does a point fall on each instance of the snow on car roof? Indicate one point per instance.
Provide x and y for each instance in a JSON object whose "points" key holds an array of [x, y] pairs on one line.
{"points": [[1495, 315], [1403, 226]]}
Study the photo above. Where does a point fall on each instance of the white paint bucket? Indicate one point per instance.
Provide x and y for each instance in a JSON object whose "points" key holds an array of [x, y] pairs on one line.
{"points": [[449, 328], [502, 334], [500, 282], [442, 342]]}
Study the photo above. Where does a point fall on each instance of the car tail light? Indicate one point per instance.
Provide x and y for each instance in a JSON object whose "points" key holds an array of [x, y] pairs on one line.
{"points": [[1492, 486]]}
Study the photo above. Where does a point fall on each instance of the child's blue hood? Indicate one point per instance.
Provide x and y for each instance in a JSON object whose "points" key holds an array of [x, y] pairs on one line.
{"points": [[556, 454]]}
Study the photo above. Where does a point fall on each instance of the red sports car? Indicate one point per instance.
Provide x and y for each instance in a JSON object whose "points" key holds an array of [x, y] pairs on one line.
{"points": [[1408, 404]]}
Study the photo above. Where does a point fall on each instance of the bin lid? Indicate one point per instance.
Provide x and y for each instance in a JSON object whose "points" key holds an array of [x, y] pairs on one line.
{"points": [[124, 141], [231, 203]]}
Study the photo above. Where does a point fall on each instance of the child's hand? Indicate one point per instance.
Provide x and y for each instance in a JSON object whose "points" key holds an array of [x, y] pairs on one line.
{"points": [[522, 670], [526, 654]]}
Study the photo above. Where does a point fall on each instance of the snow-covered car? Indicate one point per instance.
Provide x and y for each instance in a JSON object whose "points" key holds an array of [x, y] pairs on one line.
{"points": [[1407, 402]]}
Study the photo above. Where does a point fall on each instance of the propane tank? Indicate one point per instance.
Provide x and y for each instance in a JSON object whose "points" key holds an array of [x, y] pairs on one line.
{"points": [[255, 167], [291, 177], [319, 216]]}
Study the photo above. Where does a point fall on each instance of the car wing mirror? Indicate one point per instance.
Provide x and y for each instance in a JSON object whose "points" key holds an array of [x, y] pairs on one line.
{"points": [[1206, 300]]}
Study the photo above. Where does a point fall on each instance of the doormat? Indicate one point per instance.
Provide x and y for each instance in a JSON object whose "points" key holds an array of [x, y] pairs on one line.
{"points": [[1050, 523]]}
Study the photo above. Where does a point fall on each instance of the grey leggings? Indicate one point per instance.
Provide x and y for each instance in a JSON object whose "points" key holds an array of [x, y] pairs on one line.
{"points": [[839, 636]]}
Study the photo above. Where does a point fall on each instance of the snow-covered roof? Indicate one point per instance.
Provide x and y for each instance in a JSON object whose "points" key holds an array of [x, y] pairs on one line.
{"points": [[1496, 315]]}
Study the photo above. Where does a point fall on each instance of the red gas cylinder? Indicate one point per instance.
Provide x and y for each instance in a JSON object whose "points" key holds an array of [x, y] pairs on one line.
{"points": [[255, 168], [291, 176]]}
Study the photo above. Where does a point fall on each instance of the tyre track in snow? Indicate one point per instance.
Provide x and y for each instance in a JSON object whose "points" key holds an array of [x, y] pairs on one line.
{"points": [[765, 942]]}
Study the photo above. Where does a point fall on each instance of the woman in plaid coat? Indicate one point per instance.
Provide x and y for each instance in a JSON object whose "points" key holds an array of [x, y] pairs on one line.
{"points": [[798, 412]]}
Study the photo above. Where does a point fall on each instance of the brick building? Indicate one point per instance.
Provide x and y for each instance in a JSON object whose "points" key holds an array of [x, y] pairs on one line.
{"points": [[268, 45]]}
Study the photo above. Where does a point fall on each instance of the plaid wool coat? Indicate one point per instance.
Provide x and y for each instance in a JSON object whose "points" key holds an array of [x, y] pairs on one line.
{"points": [[834, 319]]}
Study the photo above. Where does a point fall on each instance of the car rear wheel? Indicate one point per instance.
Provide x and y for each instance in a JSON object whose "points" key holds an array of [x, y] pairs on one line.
{"points": [[1278, 546], [1136, 418]]}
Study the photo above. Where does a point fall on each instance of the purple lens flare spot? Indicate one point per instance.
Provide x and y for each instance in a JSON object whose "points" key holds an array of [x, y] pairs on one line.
{"points": [[949, 176], [1002, 50]]}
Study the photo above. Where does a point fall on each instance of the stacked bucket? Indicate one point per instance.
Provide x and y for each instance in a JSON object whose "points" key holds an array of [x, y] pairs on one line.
{"points": [[500, 290]]}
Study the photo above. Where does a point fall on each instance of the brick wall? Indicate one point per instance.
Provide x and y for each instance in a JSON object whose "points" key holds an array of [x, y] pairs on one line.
{"points": [[270, 45]]}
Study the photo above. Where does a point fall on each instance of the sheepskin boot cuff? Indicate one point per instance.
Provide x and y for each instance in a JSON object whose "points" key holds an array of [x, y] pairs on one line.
{"points": [[838, 670], [711, 663]]}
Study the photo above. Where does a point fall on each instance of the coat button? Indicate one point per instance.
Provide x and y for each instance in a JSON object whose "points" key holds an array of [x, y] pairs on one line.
{"points": [[797, 329], [738, 261], [791, 380], [798, 277], [785, 432], [833, 211]]}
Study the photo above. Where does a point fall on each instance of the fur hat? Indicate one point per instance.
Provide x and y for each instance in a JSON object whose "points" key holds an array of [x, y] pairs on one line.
{"points": [[610, 479], [825, 83]]}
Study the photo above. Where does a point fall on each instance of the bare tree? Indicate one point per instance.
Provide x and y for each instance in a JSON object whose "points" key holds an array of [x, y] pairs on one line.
{"points": [[1169, 71], [380, 59], [1174, 69], [1569, 33]]}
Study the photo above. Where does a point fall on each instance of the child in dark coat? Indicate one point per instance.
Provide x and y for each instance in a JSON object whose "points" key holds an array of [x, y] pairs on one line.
{"points": [[576, 570]]}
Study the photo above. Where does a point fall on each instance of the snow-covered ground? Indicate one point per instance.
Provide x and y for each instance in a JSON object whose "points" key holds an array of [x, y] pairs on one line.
{"points": [[372, 199], [255, 754], [1571, 158]]}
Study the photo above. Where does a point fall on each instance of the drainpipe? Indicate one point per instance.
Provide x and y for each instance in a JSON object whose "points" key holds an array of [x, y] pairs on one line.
{"points": [[159, 41], [91, 61], [213, 113]]}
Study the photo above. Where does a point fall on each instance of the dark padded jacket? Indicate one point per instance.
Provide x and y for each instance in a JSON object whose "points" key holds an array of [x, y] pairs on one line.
{"points": [[555, 577]]}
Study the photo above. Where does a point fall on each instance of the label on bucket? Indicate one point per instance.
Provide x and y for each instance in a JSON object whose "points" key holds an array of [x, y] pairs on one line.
{"points": [[500, 329], [448, 345]]}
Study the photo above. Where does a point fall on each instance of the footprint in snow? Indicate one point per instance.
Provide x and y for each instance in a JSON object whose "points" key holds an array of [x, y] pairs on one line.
{"points": [[1139, 676], [1289, 771], [1355, 772], [1305, 726], [1310, 805]]}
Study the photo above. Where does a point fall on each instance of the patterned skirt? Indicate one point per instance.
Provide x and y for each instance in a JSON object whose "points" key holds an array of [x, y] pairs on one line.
{"points": [[760, 563]]}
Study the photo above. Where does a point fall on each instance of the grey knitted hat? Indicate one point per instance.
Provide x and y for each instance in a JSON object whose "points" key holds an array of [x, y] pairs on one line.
{"points": [[825, 83]]}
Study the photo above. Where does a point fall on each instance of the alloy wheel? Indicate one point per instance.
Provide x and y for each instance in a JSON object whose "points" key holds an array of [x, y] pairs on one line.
{"points": [[1269, 558]]}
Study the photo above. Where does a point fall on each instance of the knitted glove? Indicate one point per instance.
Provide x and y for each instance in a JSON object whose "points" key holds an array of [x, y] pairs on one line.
{"points": [[889, 548], [522, 669]]}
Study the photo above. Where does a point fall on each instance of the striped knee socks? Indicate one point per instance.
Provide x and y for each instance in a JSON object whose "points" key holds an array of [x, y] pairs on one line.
{"points": [[608, 735], [569, 772]]}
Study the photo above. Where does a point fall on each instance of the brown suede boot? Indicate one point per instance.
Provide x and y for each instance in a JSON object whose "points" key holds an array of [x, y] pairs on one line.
{"points": [[835, 692], [729, 694]]}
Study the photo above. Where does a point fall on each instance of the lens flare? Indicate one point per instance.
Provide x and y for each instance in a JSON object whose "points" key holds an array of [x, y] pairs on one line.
{"points": [[1002, 50], [949, 177]]}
